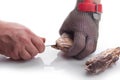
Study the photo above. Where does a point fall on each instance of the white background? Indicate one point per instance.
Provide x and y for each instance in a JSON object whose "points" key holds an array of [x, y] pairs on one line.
{"points": [[44, 17]]}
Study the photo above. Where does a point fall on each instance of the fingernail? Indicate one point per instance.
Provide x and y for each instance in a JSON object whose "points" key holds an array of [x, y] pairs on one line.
{"points": [[43, 39]]}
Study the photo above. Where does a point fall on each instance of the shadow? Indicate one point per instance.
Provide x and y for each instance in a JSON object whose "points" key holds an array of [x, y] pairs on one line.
{"points": [[33, 63], [52, 60], [69, 65]]}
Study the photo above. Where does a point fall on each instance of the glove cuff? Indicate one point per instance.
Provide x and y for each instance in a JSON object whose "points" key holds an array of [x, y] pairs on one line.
{"points": [[89, 6]]}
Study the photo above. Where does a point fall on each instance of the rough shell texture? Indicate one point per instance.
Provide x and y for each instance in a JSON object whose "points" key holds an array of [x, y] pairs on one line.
{"points": [[63, 43], [103, 60]]}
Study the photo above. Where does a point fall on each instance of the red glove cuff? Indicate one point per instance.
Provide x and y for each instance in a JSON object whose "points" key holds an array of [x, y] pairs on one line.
{"points": [[89, 6]]}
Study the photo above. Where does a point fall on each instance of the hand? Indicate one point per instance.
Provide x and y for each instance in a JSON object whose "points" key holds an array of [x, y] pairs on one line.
{"points": [[18, 42], [84, 30]]}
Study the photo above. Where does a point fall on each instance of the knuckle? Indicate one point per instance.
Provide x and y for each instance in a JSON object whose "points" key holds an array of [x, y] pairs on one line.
{"points": [[26, 30], [34, 52], [24, 55], [23, 39], [42, 49]]}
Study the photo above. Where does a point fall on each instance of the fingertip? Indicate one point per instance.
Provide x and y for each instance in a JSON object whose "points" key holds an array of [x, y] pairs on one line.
{"points": [[43, 39]]}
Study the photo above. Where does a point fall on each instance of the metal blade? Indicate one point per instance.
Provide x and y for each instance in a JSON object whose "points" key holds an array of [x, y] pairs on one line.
{"points": [[48, 45]]}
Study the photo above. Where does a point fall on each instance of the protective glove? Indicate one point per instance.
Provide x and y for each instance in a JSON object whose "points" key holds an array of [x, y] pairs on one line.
{"points": [[83, 27]]}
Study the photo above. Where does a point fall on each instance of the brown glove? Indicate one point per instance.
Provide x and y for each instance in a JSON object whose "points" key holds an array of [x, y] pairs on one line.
{"points": [[83, 27]]}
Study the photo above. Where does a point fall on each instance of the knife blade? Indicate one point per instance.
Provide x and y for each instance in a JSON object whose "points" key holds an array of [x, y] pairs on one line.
{"points": [[48, 45]]}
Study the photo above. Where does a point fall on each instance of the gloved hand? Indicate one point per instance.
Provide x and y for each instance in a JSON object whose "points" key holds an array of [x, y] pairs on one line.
{"points": [[84, 30], [18, 42]]}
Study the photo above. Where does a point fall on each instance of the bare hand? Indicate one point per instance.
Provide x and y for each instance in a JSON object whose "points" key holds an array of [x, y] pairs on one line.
{"points": [[18, 42]]}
